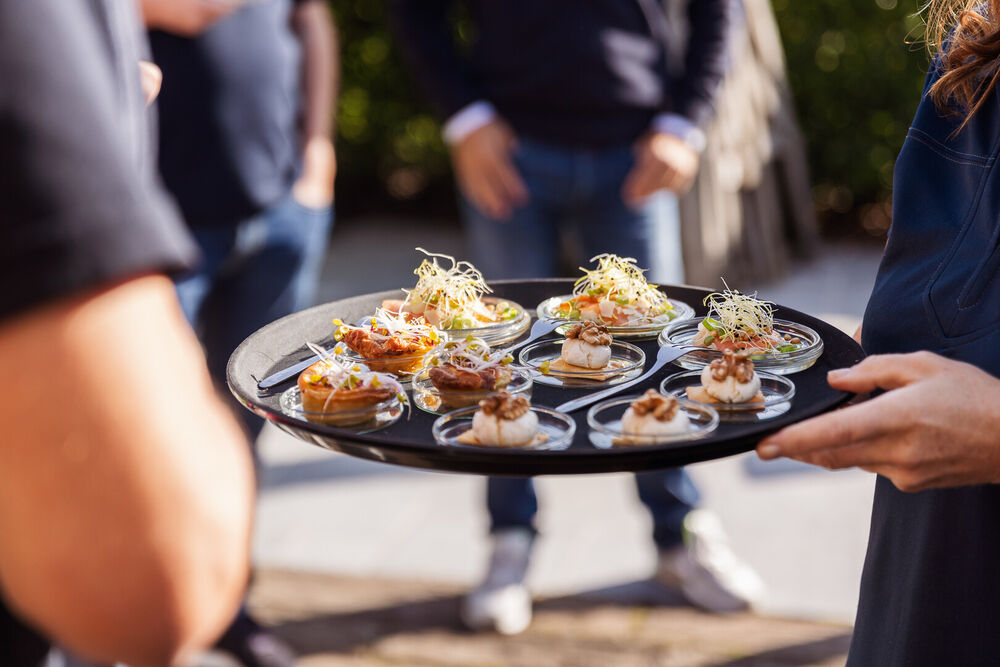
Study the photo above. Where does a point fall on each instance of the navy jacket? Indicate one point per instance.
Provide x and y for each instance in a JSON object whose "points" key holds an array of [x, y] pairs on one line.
{"points": [[577, 73], [930, 591]]}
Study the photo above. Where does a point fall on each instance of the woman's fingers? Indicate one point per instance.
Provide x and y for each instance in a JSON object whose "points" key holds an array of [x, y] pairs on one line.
{"points": [[841, 428]]}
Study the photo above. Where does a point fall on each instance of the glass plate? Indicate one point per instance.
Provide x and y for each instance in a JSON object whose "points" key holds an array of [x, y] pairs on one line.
{"points": [[548, 310], [559, 428], [401, 367], [494, 334], [630, 358], [605, 421], [430, 399], [682, 332], [778, 393], [370, 419]]}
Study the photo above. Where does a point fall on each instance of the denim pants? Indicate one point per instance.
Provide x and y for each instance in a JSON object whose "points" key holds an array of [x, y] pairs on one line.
{"points": [[251, 274], [577, 194]]}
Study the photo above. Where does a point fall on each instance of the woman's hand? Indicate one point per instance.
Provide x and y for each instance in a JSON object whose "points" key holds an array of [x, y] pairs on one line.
{"points": [[937, 425]]}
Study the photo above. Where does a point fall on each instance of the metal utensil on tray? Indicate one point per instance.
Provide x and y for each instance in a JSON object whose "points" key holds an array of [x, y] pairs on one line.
{"points": [[666, 354]]}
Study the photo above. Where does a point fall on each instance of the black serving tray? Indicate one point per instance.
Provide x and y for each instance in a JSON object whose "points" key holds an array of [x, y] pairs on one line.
{"points": [[408, 442]]}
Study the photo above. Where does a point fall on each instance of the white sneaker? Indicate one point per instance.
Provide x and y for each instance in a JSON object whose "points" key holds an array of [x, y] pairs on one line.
{"points": [[502, 602], [706, 570]]}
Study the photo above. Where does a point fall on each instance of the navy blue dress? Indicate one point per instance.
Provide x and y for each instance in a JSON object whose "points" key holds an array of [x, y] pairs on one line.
{"points": [[930, 592]]}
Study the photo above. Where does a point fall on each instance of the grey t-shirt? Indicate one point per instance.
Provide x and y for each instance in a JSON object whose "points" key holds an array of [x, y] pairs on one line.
{"points": [[79, 206]]}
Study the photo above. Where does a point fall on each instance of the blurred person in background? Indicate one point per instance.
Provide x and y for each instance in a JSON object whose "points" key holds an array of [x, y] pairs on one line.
{"points": [[930, 584], [563, 119], [125, 483], [246, 148]]}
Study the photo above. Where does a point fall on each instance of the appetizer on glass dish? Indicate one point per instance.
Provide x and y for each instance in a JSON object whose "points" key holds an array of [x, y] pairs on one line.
{"points": [[617, 295], [338, 393], [732, 386], [738, 322], [505, 420], [651, 419], [460, 373], [388, 343], [731, 379], [454, 300], [587, 356]]}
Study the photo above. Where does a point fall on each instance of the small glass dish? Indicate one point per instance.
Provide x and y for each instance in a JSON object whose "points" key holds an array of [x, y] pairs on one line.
{"points": [[682, 332], [778, 392], [605, 421], [373, 418], [494, 334], [557, 428], [549, 309], [627, 361], [402, 367], [436, 401]]}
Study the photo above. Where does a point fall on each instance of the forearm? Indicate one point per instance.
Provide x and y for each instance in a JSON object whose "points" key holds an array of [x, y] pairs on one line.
{"points": [[707, 60], [313, 24], [125, 485]]}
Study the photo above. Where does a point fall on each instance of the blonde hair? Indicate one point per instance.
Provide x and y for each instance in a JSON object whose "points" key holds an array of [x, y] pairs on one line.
{"points": [[966, 33]]}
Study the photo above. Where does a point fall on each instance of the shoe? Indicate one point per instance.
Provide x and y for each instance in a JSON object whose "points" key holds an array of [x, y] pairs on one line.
{"points": [[502, 602], [253, 646], [705, 569]]}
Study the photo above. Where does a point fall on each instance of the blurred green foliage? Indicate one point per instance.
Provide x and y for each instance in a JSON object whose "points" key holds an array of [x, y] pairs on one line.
{"points": [[388, 146], [856, 68]]}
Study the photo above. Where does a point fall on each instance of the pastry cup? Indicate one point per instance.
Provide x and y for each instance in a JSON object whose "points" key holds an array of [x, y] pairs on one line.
{"points": [[438, 401]]}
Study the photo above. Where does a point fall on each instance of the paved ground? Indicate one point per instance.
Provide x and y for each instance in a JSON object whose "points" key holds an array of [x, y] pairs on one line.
{"points": [[348, 622], [804, 530]]}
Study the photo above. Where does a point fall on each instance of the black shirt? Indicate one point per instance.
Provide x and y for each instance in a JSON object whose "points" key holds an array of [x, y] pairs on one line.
{"points": [[581, 74], [228, 113], [77, 209], [930, 591]]}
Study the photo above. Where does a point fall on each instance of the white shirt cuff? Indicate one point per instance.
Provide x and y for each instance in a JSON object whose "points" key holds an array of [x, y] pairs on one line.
{"points": [[681, 127], [467, 120]]}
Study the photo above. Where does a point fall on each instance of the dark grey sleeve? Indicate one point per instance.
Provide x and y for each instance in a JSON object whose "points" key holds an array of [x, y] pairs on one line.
{"points": [[76, 208], [707, 60]]}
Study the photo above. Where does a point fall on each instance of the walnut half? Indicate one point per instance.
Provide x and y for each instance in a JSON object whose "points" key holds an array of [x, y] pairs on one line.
{"points": [[663, 408], [505, 406], [589, 332], [733, 364]]}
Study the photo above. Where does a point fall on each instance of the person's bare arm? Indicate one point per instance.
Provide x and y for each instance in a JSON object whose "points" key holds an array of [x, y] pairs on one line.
{"points": [[185, 17], [313, 24], [125, 485]]}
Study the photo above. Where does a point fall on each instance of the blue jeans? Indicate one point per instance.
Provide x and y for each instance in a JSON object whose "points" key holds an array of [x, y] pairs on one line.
{"points": [[577, 193], [251, 274]]}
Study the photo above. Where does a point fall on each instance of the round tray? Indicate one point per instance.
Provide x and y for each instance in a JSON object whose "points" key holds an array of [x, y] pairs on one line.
{"points": [[410, 442], [682, 332], [630, 359], [548, 309], [778, 393]]}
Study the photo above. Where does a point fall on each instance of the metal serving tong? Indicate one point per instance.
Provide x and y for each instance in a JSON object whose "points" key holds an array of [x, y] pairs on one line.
{"points": [[666, 354], [538, 329]]}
